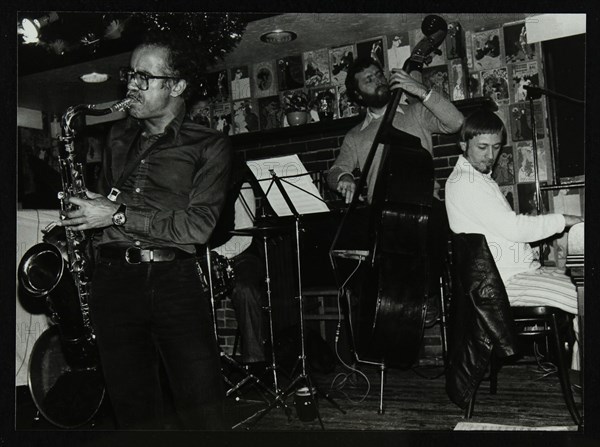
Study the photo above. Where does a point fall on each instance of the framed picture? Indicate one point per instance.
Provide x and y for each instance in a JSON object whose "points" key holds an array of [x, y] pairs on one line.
{"points": [[494, 84], [221, 118], [346, 108], [290, 73], [469, 49], [324, 104], [486, 49], [398, 49], [455, 41], [523, 74], [270, 112], [515, 44], [525, 162], [502, 112], [340, 59], [436, 78], [264, 79], [458, 81], [218, 86], [509, 194], [520, 120], [474, 84], [504, 170], [245, 117], [372, 48], [240, 83], [199, 112], [316, 68]]}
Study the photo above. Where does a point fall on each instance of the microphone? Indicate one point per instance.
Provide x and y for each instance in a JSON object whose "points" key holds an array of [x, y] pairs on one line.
{"points": [[536, 92], [533, 91]]}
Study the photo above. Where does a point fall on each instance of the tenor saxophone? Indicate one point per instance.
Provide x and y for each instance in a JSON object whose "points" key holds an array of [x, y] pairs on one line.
{"points": [[64, 359]]}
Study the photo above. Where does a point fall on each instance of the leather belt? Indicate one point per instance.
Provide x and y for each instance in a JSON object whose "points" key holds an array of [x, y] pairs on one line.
{"points": [[136, 255]]}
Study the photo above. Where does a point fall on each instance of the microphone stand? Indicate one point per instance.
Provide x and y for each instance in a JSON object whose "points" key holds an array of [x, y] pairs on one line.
{"points": [[531, 95]]}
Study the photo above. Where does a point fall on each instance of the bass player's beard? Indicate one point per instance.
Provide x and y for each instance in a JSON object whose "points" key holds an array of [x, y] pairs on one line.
{"points": [[378, 99]]}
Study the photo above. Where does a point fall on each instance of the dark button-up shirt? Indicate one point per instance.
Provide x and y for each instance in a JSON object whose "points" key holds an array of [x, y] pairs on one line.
{"points": [[175, 194]]}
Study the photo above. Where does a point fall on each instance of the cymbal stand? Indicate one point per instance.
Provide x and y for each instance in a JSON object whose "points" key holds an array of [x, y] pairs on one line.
{"points": [[248, 377], [273, 367], [303, 378], [276, 392]]}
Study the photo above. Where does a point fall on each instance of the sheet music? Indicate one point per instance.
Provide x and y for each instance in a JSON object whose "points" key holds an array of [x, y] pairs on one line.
{"points": [[302, 191], [480, 426]]}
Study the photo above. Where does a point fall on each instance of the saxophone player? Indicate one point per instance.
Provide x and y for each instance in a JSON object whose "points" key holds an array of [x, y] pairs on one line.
{"points": [[166, 178]]}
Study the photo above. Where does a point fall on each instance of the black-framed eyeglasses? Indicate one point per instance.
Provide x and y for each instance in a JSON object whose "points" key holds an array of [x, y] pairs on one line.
{"points": [[141, 79]]}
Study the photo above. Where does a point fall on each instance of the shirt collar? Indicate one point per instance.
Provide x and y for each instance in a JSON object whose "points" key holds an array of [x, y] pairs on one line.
{"points": [[466, 165], [172, 130]]}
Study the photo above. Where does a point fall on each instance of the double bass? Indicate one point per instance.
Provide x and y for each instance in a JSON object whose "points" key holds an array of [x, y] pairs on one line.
{"points": [[392, 283]]}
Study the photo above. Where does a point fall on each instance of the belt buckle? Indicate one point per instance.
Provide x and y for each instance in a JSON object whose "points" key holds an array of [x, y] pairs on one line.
{"points": [[134, 261]]}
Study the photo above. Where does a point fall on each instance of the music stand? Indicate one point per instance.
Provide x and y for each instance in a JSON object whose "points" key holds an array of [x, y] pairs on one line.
{"points": [[300, 366], [248, 376]]}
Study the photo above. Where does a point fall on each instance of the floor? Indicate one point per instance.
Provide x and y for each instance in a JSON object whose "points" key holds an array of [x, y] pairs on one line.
{"points": [[414, 400]]}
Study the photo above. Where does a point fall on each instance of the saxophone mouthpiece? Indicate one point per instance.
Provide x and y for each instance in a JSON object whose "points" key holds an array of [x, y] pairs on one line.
{"points": [[122, 105]]}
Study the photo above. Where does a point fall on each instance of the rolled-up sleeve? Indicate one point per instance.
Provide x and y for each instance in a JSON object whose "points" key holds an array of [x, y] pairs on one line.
{"points": [[446, 117], [346, 162]]}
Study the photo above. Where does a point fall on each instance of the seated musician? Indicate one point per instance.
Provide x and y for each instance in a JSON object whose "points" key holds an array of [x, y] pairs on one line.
{"points": [[475, 204], [429, 112], [247, 293]]}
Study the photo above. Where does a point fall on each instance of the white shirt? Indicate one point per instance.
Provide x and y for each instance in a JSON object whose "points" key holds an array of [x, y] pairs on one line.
{"points": [[475, 204], [244, 217]]}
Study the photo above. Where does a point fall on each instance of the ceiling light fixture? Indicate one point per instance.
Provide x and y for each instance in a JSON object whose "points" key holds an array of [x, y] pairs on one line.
{"points": [[30, 28], [94, 78], [278, 36]]}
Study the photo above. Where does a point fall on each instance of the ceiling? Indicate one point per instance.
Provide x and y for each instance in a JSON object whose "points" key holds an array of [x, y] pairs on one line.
{"points": [[56, 89]]}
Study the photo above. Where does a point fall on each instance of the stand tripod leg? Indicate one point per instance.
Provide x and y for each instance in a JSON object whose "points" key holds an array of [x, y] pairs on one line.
{"points": [[279, 398], [269, 309], [249, 377], [282, 396], [329, 399], [382, 381]]}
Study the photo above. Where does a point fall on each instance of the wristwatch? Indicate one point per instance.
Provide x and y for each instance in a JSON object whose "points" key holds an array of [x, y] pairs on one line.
{"points": [[425, 95], [119, 218]]}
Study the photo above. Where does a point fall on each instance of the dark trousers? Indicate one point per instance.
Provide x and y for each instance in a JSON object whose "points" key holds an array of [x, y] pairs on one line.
{"points": [[247, 301], [149, 313]]}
